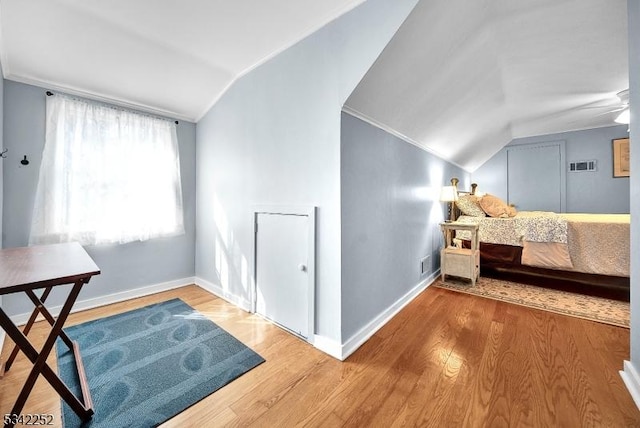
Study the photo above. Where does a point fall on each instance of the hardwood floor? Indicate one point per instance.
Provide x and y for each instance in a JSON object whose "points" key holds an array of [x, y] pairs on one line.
{"points": [[447, 359]]}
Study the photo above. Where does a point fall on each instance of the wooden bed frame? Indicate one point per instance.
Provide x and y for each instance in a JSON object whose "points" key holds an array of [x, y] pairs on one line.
{"points": [[504, 262]]}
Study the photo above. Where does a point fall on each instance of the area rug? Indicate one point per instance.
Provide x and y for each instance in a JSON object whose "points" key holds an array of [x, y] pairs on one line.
{"points": [[149, 364], [576, 305]]}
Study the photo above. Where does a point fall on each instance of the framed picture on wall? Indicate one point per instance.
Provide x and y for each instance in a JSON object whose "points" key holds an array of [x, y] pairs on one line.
{"points": [[621, 157]]}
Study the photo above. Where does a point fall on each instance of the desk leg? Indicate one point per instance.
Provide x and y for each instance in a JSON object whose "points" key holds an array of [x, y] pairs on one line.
{"points": [[47, 315], [27, 328], [40, 359]]}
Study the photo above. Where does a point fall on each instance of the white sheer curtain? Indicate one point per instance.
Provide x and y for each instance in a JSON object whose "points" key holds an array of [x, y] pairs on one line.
{"points": [[107, 176]]}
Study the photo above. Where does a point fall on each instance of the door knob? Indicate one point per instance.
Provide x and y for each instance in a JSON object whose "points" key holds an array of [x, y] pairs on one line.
{"points": [[302, 267]]}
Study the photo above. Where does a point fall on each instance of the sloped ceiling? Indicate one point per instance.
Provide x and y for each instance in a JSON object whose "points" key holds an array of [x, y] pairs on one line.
{"points": [[174, 57], [463, 78], [460, 78]]}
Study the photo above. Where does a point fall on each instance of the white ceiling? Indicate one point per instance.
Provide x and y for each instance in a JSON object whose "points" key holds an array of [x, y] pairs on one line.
{"points": [[174, 57], [463, 78], [460, 78]]}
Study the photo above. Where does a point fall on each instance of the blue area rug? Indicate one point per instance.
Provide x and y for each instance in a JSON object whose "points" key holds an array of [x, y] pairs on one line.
{"points": [[147, 365]]}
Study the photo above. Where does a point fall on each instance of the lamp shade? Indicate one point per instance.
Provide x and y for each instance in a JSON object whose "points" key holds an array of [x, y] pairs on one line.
{"points": [[448, 194]]}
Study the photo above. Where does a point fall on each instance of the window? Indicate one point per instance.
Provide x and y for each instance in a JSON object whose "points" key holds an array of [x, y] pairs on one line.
{"points": [[107, 176]]}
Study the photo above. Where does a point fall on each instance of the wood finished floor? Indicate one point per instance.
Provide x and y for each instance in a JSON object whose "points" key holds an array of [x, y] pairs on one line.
{"points": [[447, 359]]}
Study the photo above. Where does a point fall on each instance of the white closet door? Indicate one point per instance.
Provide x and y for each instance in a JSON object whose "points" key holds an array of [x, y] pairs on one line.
{"points": [[282, 282]]}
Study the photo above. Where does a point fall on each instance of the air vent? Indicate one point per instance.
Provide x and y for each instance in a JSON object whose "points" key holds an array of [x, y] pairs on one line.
{"points": [[425, 265], [582, 166]]}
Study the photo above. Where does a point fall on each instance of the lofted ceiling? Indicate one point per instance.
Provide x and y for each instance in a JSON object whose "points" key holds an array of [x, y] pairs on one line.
{"points": [[460, 78], [173, 57], [463, 78]]}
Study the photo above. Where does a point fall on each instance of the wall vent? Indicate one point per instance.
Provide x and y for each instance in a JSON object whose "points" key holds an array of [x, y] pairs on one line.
{"points": [[425, 265], [582, 166]]}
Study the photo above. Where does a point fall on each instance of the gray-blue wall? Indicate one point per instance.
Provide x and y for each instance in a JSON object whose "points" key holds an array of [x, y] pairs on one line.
{"points": [[390, 219], [587, 192], [124, 267], [2, 161], [634, 86], [1, 169], [274, 139]]}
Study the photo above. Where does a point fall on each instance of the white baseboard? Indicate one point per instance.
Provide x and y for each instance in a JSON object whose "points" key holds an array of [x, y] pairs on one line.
{"points": [[632, 381], [216, 289], [355, 341], [328, 346], [121, 296]]}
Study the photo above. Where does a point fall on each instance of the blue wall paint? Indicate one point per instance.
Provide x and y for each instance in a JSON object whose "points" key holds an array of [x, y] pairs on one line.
{"points": [[123, 266], [634, 86], [2, 161], [390, 214], [590, 192], [274, 139]]}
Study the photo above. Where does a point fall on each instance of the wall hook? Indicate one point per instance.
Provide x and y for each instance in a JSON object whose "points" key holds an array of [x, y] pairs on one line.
{"points": [[3, 155], [24, 160]]}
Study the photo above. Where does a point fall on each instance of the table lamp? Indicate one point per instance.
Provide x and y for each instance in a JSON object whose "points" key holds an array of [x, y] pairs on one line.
{"points": [[449, 194]]}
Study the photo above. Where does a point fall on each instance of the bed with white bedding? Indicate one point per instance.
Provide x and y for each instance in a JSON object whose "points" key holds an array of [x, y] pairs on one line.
{"points": [[587, 253], [588, 243]]}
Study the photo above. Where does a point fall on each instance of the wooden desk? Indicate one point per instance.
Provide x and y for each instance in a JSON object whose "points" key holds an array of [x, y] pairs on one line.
{"points": [[30, 268]]}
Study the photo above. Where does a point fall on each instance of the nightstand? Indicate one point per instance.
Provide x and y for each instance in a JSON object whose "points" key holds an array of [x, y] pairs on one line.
{"points": [[460, 262]]}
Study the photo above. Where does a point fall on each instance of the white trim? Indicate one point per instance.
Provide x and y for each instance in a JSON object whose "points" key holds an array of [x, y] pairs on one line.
{"points": [[285, 209], [328, 346], [216, 289], [95, 302], [632, 381], [355, 341], [373, 122]]}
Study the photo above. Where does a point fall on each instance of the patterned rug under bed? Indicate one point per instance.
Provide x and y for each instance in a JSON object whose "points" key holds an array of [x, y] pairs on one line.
{"points": [[591, 308]]}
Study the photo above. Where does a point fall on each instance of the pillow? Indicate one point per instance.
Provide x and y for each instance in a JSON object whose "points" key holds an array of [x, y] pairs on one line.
{"points": [[496, 207], [469, 205]]}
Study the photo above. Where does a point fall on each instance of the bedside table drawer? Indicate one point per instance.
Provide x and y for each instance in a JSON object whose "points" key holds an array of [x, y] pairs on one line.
{"points": [[457, 264]]}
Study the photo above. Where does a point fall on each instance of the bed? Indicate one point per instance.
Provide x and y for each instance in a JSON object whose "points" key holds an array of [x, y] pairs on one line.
{"points": [[585, 253]]}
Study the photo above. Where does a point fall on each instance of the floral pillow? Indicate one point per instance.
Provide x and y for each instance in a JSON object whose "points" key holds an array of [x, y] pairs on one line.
{"points": [[496, 207], [469, 205]]}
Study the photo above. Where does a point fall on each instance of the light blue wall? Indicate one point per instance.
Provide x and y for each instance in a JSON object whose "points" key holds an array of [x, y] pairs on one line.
{"points": [[634, 86], [2, 161], [588, 192], [274, 138], [123, 267], [390, 219]]}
